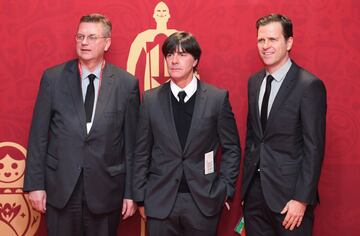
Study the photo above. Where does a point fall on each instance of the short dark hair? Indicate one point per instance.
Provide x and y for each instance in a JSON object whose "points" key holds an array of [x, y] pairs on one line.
{"points": [[283, 20], [184, 40], [98, 18]]}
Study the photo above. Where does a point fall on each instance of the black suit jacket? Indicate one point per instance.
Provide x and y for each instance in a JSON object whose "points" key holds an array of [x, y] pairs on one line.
{"points": [[59, 147], [160, 161], [291, 149]]}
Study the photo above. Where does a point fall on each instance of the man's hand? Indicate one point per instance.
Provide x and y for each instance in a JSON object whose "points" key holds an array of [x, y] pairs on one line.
{"points": [[128, 208], [37, 200], [294, 214], [142, 212]]}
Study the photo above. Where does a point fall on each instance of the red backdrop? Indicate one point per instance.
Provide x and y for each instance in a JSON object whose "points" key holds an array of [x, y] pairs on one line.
{"points": [[38, 34]]}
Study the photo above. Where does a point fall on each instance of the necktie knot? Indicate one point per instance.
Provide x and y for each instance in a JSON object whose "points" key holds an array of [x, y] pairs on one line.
{"points": [[182, 95], [91, 78], [269, 79]]}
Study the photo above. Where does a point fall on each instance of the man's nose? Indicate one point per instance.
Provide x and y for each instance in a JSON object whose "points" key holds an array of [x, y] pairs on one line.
{"points": [[85, 40], [266, 44], [175, 59]]}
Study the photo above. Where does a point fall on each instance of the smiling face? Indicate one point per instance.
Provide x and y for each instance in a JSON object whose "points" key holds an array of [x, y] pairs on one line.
{"points": [[161, 12], [11, 169], [272, 45], [90, 51], [180, 65]]}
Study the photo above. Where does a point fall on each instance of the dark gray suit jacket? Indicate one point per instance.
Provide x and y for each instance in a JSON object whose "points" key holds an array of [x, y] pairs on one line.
{"points": [[291, 149], [160, 160], [59, 146]]}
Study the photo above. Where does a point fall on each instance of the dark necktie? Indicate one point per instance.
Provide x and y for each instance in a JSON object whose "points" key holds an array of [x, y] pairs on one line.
{"points": [[265, 102], [89, 98], [182, 95]]}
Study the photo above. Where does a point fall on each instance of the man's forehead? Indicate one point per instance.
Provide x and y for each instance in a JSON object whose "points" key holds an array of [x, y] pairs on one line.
{"points": [[90, 25], [179, 49]]}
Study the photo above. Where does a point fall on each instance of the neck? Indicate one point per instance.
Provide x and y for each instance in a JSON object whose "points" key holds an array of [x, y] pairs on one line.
{"points": [[161, 25], [182, 83], [91, 65]]}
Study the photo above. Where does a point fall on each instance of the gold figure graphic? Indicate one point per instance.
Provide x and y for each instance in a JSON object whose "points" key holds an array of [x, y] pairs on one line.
{"points": [[150, 42], [16, 216]]}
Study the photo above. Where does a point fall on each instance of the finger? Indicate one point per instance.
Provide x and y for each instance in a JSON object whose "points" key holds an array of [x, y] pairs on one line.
{"points": [[143, 217], [38, 208], [227, 206], [289, 223], [285, 209], [132, 211], [294, 223], [41, 207], [286, 219], [33, 205], [299, 221], [126, 215], [43, 204], [124, 208]]}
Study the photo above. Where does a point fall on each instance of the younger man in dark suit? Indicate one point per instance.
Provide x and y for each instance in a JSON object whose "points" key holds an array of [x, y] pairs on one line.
{"points": [[80, 152], [285, 138], [182, 124]]}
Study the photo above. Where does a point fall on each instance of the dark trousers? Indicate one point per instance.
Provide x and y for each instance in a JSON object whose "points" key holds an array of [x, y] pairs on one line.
{"points": [[75, 219], [185, 219], [261, 221]]}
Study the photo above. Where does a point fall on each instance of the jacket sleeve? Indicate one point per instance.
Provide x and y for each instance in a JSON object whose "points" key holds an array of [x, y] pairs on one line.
{"points": [[38, 138], [144, 143], [131, 120], [230, 143], [313, 122]]}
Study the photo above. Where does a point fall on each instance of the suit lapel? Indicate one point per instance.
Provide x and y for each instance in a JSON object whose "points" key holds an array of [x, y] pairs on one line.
{"points": [[199, 107], [281, 96], [106, 89], [166, 108], [255, 108], [73, 79]]}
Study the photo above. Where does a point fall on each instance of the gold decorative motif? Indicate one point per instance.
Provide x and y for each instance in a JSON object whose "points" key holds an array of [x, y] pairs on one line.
{"points": [[16, 215]]}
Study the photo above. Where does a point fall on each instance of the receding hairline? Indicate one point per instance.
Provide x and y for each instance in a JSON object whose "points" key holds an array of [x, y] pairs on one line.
{"points": [[98, 18]]}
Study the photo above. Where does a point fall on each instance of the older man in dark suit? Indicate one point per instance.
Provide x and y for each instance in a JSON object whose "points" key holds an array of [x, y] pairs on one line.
{"points": [[182, 124], [79, 162], [285, 138]]}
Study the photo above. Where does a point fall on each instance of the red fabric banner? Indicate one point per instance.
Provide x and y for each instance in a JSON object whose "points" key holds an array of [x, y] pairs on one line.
{"points": [[38, 34]]}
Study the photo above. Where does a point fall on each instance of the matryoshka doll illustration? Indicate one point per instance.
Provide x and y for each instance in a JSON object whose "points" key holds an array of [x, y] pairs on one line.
{"points": [[16, 215]]}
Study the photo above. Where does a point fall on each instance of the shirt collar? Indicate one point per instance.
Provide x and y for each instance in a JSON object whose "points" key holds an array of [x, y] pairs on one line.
{"points": [[86, 72], [281, 72], [190, 89]]}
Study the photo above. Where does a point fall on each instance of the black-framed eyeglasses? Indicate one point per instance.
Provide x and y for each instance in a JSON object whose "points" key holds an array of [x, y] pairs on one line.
{"points": [[92, 38]]}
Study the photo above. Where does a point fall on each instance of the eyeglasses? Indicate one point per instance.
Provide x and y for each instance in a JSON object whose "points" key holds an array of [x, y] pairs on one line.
{"points": [[92, 38]]}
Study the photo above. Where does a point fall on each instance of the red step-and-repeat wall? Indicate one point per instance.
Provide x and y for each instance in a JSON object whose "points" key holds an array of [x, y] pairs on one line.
{"points": [[38, 34]]}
